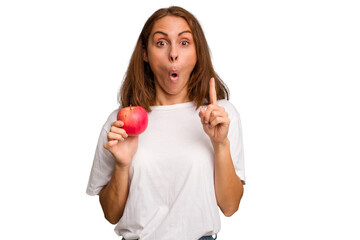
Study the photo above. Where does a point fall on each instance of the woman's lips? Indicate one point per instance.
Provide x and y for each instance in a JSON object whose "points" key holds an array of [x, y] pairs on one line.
{"points": [[174, 75]]}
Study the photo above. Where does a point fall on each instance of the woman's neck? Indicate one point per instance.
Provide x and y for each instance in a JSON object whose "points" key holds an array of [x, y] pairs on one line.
{"points": [[164, 98]]}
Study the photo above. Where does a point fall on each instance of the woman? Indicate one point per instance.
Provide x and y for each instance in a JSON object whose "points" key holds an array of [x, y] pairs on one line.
{"points": [[168, 182]]}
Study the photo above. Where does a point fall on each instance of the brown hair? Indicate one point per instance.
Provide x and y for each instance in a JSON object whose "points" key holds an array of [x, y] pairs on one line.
{"points": [[138, 87]]}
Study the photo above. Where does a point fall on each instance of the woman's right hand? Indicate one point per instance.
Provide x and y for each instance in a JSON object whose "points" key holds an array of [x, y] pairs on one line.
{"points": [[122, 146]]}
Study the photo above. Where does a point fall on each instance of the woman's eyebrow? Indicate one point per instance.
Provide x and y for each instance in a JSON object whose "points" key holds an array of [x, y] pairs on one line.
{"points": [[160, 32], [186, 31]]}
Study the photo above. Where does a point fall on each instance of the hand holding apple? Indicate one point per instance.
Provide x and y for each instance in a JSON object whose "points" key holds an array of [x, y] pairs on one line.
{"points": [[120, 145], [123, 135]]}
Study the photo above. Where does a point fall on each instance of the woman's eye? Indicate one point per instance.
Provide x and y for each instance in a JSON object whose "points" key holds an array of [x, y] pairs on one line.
{"points": [[184, 43], [161, 43]]}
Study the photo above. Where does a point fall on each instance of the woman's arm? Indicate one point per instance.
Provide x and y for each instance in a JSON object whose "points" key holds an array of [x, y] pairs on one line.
{"points": [[228, 186], [114, 195]]}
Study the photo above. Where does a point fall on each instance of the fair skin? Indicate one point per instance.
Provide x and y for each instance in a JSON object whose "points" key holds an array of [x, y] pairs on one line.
{"points": [[171, 50]]}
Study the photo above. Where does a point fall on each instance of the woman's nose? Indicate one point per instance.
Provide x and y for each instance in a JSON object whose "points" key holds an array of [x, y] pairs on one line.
{"points": [[173, 54], [173, 58]]}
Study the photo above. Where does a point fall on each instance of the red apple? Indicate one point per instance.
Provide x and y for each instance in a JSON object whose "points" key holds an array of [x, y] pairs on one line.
{"points": [[135, 120]]}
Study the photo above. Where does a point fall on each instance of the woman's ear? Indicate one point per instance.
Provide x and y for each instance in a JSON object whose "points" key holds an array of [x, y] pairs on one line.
{"points": [[145, 57]]}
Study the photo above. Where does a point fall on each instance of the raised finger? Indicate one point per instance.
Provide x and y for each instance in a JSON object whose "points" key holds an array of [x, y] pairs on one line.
{"points": [[212, 91]]}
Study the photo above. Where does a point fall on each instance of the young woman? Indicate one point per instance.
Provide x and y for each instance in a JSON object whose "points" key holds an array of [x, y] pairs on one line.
{"points": [[168, 182]]}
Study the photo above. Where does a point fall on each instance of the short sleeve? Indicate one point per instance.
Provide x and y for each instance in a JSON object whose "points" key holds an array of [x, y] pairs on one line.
{"points": [[236, 140], [103, 163]]}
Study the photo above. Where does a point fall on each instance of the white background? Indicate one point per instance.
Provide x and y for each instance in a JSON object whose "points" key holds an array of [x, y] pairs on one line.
{"points": [[293, 68]]}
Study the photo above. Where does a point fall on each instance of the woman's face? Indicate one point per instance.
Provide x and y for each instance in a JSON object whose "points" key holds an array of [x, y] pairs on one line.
{"points": [[172, 57]]}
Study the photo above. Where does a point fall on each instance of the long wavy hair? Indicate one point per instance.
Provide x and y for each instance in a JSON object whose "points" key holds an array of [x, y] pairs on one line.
{"points": [[138, 87]]}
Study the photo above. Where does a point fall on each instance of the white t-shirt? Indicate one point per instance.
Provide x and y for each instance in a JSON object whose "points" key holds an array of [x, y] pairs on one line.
{"points": [[172, 194]]}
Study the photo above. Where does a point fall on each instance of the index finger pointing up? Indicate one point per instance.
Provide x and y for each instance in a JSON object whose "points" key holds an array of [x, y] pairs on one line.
{"points": [[212, 91]]}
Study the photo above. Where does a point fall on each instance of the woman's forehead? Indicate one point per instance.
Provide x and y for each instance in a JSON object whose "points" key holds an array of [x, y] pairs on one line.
{"points": [[170, 24]]}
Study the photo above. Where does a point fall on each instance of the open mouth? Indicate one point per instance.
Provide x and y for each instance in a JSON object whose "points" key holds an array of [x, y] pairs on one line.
{"points": [[174, 75]]}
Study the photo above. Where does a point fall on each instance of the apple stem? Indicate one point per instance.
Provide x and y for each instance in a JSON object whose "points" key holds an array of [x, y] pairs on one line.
{"points": [[130, 107]]}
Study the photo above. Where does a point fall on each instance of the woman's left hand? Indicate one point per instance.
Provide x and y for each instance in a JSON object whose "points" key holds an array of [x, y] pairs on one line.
{"points": [[214, 118]]}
